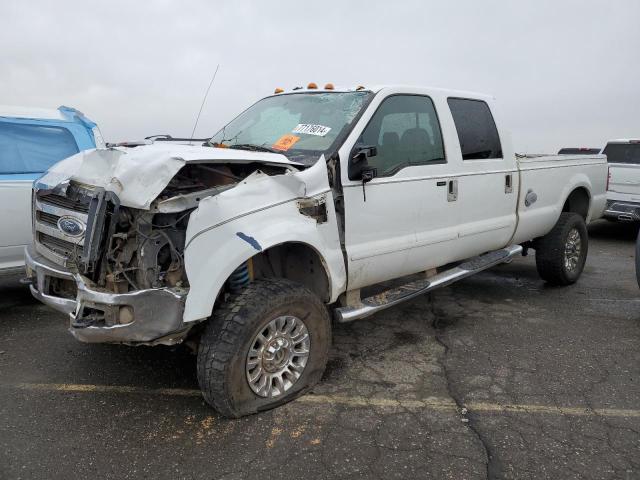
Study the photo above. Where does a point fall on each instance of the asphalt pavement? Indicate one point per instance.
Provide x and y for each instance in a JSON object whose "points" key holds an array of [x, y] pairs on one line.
{"points": [[497, 376]]}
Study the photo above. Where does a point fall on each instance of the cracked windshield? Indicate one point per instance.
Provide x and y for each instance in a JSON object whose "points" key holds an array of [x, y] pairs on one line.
{"points": [[301, 126]]}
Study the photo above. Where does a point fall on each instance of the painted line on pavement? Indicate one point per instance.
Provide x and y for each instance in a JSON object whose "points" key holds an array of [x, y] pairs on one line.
{"points": [[430, 403]]}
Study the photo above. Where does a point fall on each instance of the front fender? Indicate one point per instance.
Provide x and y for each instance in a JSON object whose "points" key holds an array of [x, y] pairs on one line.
{"points": [[261, 212]]}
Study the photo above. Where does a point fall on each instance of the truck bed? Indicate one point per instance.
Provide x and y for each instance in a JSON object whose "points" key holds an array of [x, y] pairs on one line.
{"points": [[543, 176]]}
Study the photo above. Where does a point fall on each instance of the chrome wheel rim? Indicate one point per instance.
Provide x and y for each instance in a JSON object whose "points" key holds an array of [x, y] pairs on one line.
{"points": [[278, 356], [572, 250]]}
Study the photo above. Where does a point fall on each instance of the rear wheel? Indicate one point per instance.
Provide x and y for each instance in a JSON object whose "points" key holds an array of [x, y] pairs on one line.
{"points": [[263, 348], [562, 253]]}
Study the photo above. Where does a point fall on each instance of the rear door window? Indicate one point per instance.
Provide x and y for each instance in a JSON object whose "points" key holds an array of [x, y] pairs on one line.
{"points": [[622, 153], [33, 148], [476, 129]]}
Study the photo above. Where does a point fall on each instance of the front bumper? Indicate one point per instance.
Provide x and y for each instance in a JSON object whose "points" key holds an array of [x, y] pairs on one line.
{"points": [[151, 316], [622, 210]]}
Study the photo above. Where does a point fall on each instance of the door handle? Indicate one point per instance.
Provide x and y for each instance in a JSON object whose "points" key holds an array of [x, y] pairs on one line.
{"points": [[452, 190], [508, 183]]}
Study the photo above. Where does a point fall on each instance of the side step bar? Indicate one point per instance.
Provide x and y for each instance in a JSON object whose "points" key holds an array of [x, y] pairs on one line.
{"points": [[394, 296]]}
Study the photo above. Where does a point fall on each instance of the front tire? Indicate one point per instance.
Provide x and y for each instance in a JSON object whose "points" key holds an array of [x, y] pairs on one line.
{"points": [[263, 347], [562, 253]]}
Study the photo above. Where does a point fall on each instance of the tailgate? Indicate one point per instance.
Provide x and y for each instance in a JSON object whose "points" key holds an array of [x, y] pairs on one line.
{"points": [[624, 178]]}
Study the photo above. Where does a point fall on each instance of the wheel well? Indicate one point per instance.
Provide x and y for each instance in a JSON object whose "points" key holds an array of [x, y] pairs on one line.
{"points": [[295, 261], [578, 202]]}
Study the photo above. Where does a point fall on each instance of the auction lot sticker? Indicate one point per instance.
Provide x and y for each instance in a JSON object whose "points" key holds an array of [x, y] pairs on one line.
{"points": [[285, 142], [310, 129]]}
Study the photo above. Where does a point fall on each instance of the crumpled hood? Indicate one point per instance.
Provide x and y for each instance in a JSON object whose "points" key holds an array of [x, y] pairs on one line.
{"points": [[138, 175]]}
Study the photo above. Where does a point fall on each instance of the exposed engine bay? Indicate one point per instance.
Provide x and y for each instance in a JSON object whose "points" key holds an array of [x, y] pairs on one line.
{"points": [[128, 249], [146, 248]]}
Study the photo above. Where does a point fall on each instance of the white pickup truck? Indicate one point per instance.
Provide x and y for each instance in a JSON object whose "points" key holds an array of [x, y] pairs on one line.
{"points": [[623, 185], [244, 245]]}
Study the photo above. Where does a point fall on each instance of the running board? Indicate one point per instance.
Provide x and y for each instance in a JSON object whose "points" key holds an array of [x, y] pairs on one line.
{"points": [[389, 298]]}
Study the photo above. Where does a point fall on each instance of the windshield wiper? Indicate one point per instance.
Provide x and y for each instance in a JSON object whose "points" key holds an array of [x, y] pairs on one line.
{"points": [[254, 148]]}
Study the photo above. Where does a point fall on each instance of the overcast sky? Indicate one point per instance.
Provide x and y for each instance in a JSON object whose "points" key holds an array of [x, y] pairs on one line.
{"points": [[564, 72]]}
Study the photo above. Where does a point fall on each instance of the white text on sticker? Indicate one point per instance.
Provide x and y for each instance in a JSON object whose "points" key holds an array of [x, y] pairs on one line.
{"points": [[310, 129]]}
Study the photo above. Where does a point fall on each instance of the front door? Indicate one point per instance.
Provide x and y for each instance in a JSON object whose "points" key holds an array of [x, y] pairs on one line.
{"points": [[406, 219]]}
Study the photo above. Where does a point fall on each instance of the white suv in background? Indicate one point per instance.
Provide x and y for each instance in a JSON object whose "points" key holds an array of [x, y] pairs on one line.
{"points": [[623, 186]]}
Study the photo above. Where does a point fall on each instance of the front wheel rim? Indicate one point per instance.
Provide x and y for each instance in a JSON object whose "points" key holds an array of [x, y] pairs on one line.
{"points": [[277, 356], [572, 250]]}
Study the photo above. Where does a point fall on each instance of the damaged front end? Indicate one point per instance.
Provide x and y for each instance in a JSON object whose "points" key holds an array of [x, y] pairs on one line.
{"points": [[118, 270]]}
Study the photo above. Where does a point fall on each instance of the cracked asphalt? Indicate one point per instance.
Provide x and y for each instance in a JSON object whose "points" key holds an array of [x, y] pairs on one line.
{"points": [[498, 376]]}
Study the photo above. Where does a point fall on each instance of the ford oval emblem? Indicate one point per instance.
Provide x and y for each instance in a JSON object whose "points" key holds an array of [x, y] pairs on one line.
{"points": [[71, 226]]}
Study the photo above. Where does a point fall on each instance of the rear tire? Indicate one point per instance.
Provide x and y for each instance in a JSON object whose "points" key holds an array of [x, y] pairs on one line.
{"points": [[562, 253], [252, 356]]}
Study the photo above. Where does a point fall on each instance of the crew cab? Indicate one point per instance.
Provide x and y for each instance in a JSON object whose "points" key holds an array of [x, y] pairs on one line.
{"points": [[623, 186], [247, 244], [32, 140]]}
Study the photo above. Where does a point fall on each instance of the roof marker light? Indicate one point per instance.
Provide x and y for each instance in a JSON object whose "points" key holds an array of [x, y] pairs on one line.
{"points": [[328, 86], [312, 86], [278, 90]]}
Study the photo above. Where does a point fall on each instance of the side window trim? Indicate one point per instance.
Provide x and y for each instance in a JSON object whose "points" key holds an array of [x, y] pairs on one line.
{"points": [[493, 124], [438, 124]]}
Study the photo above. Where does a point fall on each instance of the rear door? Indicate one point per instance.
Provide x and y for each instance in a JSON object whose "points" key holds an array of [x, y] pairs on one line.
{"points": [[488, 181], [405, 219], [26, 151], [624, 167]]}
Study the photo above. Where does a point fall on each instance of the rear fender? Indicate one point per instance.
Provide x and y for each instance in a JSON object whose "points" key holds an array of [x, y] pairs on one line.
{"points": [[577, 180]]}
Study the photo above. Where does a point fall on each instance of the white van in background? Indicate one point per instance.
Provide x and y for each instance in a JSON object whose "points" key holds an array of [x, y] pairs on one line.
{"points": [[623, 185]]}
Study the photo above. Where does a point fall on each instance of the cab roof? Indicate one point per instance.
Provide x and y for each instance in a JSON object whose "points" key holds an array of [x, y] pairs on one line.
{"points": [[378, 88]]}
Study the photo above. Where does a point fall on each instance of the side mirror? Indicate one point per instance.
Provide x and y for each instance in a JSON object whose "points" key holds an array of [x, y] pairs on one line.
{"points": [[358, 161], [363, 152]]}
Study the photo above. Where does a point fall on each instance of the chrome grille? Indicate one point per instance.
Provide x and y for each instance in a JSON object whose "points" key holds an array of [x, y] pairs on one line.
{"points": [[61, 247], [52, 242], [48, 218], [67, 203]]}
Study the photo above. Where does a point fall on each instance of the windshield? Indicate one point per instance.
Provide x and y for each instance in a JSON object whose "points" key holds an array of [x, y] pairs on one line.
{"points": [[301, 126], [622, 152]]}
